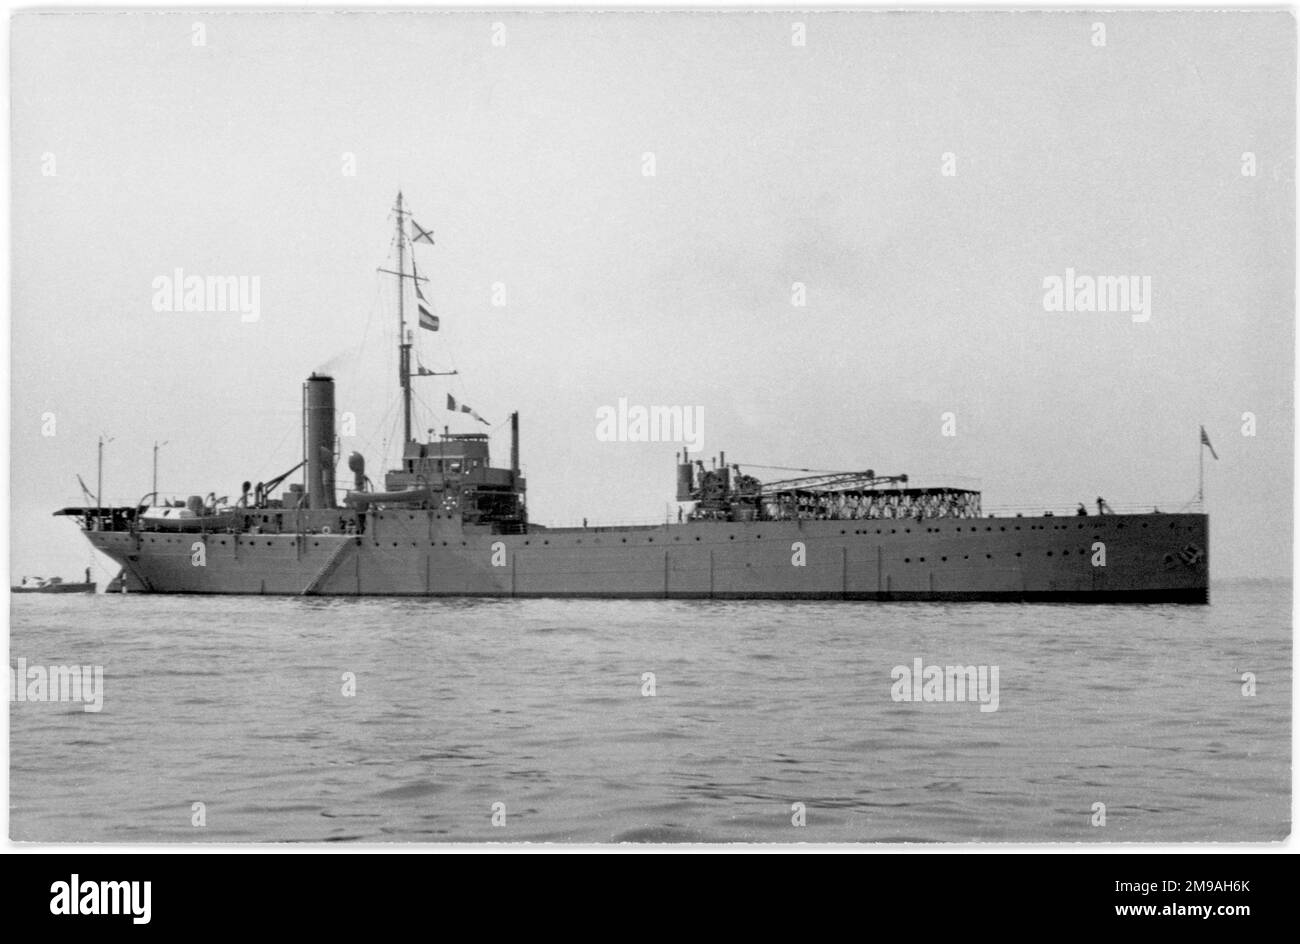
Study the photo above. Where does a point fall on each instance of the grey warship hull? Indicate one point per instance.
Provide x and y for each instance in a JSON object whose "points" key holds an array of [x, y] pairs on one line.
{"points": [[1102, 558]]}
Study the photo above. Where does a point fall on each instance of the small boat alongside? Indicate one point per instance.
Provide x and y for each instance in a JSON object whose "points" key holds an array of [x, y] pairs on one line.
{"points": [[53, 585]]}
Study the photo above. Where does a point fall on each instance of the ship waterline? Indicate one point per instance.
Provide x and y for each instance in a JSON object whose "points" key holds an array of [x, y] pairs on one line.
{"points": [[1102, 558]]}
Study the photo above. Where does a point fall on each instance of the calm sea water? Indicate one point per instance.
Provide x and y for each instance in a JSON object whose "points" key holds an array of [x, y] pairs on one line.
{"points": [[238, 703]]}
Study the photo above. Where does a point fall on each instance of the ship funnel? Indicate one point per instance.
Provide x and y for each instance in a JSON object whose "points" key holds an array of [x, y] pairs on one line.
{"points": [[318, 440]]}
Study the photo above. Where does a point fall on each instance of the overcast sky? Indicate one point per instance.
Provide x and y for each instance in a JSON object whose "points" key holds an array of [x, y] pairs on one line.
{"points": [[774, 163]]}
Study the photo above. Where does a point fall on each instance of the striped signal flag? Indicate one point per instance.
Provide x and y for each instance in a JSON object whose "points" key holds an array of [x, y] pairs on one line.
{"points": [[1205, 441]]}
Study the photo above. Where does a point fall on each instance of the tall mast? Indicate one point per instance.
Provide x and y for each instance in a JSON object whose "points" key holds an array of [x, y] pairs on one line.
{"points": [[403, 343]]}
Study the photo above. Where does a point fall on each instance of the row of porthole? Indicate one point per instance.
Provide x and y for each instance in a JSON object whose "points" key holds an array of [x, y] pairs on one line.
{"points": [[1032, 527], [1095, 537], [842, 531], [527, 543], [921, 560], [222, 541], [431, 544], [731, 537]]}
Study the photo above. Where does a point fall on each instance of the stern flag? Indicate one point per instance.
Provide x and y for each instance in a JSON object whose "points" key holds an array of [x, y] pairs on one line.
{"points": [[428, 319], [451, 403], [419, 234], [1205, 441]]}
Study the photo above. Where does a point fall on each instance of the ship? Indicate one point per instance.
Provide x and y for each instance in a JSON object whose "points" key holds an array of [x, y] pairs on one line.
{"points": [[447, 522], [53, 585]]}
